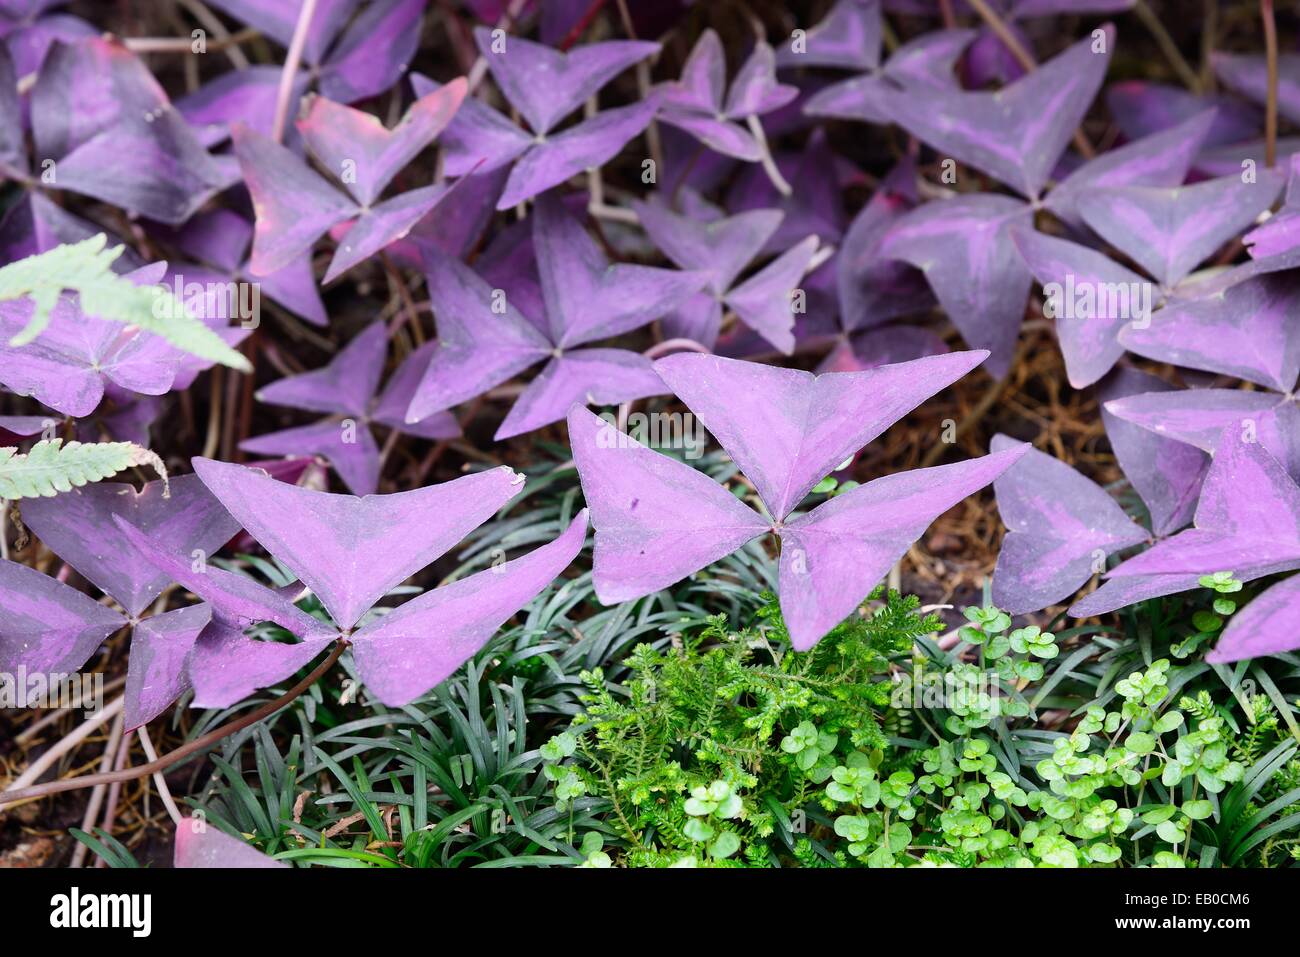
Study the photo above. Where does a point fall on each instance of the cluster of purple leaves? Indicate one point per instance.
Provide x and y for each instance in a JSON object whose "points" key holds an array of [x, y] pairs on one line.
{"points": [[349, 551], [768, 264]]}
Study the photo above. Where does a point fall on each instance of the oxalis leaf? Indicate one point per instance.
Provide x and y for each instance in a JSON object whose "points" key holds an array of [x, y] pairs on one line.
{"points": [[52, 467], [86, 269]]}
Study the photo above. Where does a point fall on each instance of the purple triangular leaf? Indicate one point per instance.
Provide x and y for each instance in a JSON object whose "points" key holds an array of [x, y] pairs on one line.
{"points": [[200, 844], [764, 301], [546, 85], [787, 429], [1060, 528], [1247, 330], [158, 669], [656, 519], [418, 645], [1266, 626], [294, 205], [847, 38], [586, 297], [1166, 473], [374, 51], [1247, 520], [1017, 134], [1169, 231], [47, 626], [581, 377], [236, 600], [964, 248], [479, 346], [1162, 159], [345, 386], [833, 556], [356, 147], [79, 527], [1089, 296], [590, 144], [347, 548], [347, 445], [226, 666]]}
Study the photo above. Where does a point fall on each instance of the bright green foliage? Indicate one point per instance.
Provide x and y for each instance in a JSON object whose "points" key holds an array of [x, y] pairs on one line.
{"points": [[705, 761], [52, 467], [85, 268], [715, 752]]}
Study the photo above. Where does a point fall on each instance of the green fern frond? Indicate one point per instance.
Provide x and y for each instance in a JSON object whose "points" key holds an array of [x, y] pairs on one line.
{"points": [[52, 467], [86, 269]]}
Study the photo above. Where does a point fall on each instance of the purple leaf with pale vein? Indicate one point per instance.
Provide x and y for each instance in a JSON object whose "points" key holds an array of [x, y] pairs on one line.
{"points": [[925, 62], [200, 844], [1247, 520], [847, 38], [294, 205], [656, 520], [478, 348], [418, 645], [546, 85], [344, 139], [833, 556], [696, 103], [1060, 527], [1162, 159], [354, 456], [79, 527], [1094, 298], [964, 248], [586, 297], [721, 247], [47, 626], [1119, 593], [386, 223], [788, 429], [764, 301], [346, 385], [1018, 133], [1169, 231], [226, 666], [580, 376], [1199, 416], [351, 550], [374, 51], [1247, 330], [590, 144], [158, 669], [1266, 626], [236, 600], [1166, 473], [476, 135], [754, 89]]}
